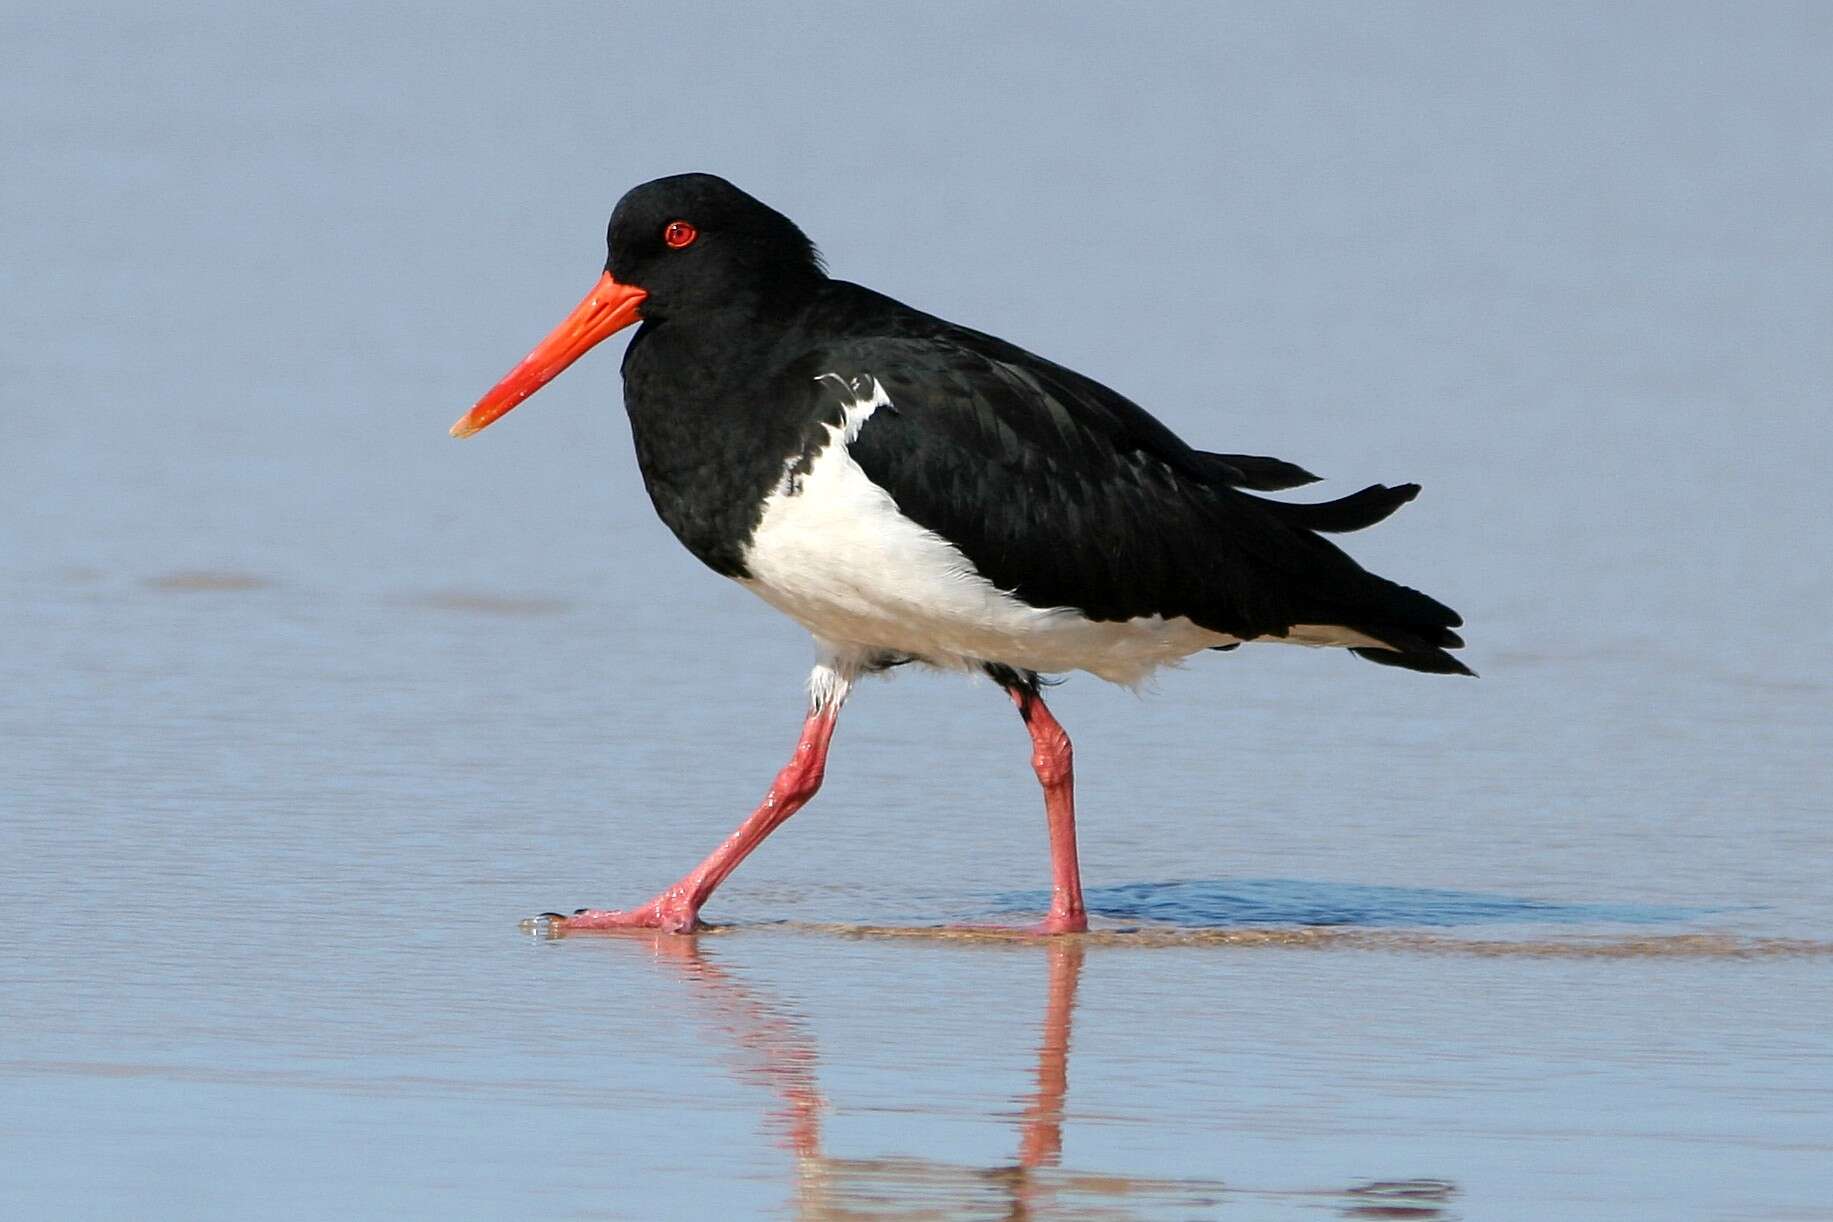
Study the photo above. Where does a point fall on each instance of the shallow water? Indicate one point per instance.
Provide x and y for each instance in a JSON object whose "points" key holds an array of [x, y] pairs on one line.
{"points": [[305, 707]]}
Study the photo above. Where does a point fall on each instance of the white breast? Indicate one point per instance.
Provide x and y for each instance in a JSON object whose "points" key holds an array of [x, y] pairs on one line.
{"points": [[833, 552]]}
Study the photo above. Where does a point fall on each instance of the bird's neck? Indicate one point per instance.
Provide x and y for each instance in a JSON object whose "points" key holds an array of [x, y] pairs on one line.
{"points": [[707, 415]]}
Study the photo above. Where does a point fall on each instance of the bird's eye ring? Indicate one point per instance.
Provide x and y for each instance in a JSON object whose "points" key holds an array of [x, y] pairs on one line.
{"points": [[679, 233]]}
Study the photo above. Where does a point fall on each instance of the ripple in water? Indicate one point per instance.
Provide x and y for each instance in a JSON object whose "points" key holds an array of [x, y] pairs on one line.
{"points": [[1205, 903]]}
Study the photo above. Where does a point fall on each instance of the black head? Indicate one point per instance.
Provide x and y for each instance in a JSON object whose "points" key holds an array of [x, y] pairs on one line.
{"points": [[678, 246], [695, 241]]}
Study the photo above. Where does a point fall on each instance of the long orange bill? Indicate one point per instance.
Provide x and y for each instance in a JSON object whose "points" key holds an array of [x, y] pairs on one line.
{"points": [[607, 309]]}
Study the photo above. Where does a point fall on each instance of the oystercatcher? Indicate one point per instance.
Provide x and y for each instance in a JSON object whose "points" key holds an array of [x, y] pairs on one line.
{"points": [[910, 490]]}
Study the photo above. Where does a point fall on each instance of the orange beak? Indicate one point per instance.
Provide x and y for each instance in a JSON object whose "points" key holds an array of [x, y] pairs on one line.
{"points": [[607, 309]]}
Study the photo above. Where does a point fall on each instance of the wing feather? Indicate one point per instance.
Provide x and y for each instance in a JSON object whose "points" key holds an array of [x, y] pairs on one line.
{"points": [[1070, 495]]}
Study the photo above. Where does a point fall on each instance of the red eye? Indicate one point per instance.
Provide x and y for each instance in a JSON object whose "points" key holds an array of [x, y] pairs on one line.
{"points": [[679, 233]]}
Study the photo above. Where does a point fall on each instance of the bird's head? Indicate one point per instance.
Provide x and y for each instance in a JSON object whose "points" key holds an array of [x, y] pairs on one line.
{"points": [[676, 246]]}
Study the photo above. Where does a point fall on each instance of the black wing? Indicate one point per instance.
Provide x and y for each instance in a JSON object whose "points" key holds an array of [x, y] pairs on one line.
{"points": [[1070, 495]]}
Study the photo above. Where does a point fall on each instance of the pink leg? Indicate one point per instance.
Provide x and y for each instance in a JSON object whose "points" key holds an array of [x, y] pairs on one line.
{"points": [[677, 909], [1054, 762]]}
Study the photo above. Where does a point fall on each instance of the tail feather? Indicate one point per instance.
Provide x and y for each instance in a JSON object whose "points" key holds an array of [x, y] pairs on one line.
{"points": [[1416, 628], [1352, 512], [1424, 658], [1255, 471], [1306, 578]]}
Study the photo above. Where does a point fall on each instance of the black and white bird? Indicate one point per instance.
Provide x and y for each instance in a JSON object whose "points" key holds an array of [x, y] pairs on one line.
{"points": [[910, 490]]}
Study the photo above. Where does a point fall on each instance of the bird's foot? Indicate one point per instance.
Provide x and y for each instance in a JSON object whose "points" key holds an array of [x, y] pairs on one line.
{"points": [[1057, 923], [668, 913]]}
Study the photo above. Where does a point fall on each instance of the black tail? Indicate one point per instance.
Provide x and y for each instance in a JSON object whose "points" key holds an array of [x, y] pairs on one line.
{"points": [[1255, 471], [1415, 648], [1415, 628], [1432, 661], [1353, 512]]}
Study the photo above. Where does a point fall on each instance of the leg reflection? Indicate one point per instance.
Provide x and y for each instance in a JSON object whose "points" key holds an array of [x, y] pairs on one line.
{"points": [[774, 1049], [1041, 1130]]}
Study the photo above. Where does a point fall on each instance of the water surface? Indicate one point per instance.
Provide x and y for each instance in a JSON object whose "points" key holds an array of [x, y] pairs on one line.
{"points": [[303, 707]]}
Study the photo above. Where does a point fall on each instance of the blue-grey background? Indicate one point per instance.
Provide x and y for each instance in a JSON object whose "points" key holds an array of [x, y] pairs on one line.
{"points": [[303, 705]]}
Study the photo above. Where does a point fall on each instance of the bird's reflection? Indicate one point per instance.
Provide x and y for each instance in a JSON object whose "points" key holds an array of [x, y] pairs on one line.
{"points": [[770, 1046]]}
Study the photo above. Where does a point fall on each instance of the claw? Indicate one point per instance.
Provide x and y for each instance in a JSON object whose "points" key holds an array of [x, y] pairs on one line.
{"points": [[544, 925]]}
